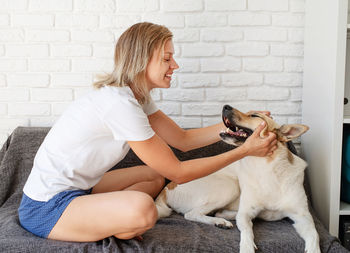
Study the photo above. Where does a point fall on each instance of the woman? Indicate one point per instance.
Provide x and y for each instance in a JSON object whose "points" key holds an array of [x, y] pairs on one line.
{"points": [[69, 194]]}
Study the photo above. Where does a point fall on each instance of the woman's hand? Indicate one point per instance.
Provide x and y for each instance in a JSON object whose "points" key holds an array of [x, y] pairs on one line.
{"points": [[257, 146]]}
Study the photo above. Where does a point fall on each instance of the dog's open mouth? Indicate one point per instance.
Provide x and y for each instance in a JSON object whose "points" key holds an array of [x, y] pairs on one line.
{"points": [[238, 132]]}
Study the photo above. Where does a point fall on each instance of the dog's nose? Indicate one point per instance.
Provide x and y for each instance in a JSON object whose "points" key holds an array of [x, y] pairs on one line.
{"points": [[227, 107]]}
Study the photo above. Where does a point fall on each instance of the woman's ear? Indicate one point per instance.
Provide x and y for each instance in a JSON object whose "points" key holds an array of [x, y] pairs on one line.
{"points": [[291, 131]]}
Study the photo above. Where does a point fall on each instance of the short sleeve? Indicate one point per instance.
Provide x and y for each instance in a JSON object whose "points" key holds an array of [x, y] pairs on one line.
{"points": [[150, 107], [127, 121]]}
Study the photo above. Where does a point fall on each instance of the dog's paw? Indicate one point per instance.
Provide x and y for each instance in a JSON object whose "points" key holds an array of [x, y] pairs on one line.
{"points": [[222, 223]]}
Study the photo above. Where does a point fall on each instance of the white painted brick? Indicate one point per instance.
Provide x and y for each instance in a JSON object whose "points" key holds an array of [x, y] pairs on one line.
{"points": [[223, 64], [47, 35], [118, 21], [268, 5], [242, 79], [2, 80], [284, 108], [137, 5], [59, 108], [92, 36], [284, 79], [185, 35], [249, 19], [202, 109], [49, 65], [4, 20], [28, 80], [3, 109], [71, 79], [293, 64], [247, 106], [27, 50], [3, 137], [288, 20], [268, 93], [297, 5], [11, 5], [170, 108], [294, 120], [265, 34], [50, 5], [169, 20], [42, 121], [12, 65], [221, 34], [103, 50], [199, 80], [181, 5], [10, 124], [188, 122], [71, 50], [80, 92], [225, 5], [95, 6], [248, 49], [76, 21], [183, 95], [296, 35], [188, 65], [54, 95], [12, 94], [206, 20], [11, 35], [2, 50], [212, 121], [265, 64], [31, 109], [296, 94], [156, 94], [201, 49], [225, 94], [92, 65], [287, 50], [23, 20]]}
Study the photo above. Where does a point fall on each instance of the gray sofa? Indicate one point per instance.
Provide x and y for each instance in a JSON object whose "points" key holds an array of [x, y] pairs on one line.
{"points": [[173, 234]]}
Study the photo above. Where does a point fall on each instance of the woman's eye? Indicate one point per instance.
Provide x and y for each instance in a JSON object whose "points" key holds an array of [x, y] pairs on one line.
{"points": [[166, 59]]}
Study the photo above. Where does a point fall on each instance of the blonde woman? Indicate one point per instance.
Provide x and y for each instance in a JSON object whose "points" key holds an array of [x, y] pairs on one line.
{"points": [[71, 196]]}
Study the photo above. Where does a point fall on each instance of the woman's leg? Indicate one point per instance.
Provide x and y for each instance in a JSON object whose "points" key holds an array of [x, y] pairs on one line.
{"points": [[123, 214]]}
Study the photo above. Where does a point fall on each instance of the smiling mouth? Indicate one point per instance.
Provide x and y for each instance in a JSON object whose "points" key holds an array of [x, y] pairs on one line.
{"points": [[238, 132]]}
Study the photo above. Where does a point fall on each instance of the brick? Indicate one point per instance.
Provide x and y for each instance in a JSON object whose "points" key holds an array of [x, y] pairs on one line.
{"points": [[293, 64], [198, 50], [137, 5], [183, 95], [268, 5], [92, 36], [221, 34], [32, 20], [249, 19], [3, 137], [268, 93], [199, 80], [265, 64], [284, 108], [12, 65], [156, 94], [4, 20], [80, 92], [287, 50], [42, 121], [242, 79], [2, 50], [206, 20], [3, 109], [76, 21], [294, 120], [247, 49], [27, 50], [29, 109], [225, 5], [13, 5], [47, 36], [72, 50], [11, 35], [2, 80], [188, 65], [265, 34], [92, 65], [71, 79], [224, 64], [51, 95], [49, 65], [188, 122], [28, 80], [297, 6], [212, 121], [11, 123], [50, 5], [288, 20], [296, 94], [11, 94], [284, 79], [296, 35], [169, 20], [201, 109], [118, 21], [95, 6], [59, 108], [224, 94], [185, 35], [102, 50], [170, 108], [247, 106], [181, 5]]}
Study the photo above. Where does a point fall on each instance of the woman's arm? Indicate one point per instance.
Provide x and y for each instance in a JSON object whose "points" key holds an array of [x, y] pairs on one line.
{"points": [[158, 155], [181, 139]]}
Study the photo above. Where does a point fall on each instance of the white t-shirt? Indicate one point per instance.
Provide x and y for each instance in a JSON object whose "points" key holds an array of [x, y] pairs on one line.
{"points": [[87, 140]]}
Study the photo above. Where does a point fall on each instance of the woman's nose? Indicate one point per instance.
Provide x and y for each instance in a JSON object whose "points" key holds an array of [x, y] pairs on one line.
{"points": [[174, 64]]}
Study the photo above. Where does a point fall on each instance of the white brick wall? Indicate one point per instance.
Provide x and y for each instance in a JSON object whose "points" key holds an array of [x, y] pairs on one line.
{"points": [[247, 53]]}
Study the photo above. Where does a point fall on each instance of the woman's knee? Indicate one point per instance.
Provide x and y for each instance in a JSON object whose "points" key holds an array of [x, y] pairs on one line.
{"points": [[144, 211]]}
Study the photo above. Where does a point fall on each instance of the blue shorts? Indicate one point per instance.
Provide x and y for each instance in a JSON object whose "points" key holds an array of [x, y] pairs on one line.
{"points": [[39, 217]]}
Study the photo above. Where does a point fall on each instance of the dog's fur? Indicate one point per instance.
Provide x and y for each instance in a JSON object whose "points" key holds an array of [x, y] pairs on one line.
{"points": [[268, 187]]}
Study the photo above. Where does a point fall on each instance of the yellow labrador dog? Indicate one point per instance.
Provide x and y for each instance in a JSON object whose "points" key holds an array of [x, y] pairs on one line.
{"points": [[269, 187]]}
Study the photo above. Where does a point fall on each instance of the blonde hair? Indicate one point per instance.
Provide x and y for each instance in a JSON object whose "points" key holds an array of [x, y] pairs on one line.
{"points": [[133, 51]]}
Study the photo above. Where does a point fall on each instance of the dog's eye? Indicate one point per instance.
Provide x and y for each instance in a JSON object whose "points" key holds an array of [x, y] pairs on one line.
{"points": [[254, 115]]}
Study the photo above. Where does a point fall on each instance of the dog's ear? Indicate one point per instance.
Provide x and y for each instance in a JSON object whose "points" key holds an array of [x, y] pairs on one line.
{"points": [[291, 131]]}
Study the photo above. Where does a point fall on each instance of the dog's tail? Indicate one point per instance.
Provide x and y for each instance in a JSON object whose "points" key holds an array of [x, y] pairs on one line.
{"points": [[163, 209]]}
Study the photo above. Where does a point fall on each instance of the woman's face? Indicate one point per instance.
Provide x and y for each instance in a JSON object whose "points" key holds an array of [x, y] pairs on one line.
{"points": [[161, 67]]}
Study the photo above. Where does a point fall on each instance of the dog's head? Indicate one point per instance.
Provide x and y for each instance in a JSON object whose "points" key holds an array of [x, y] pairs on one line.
{"points": [[241, 125]]}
